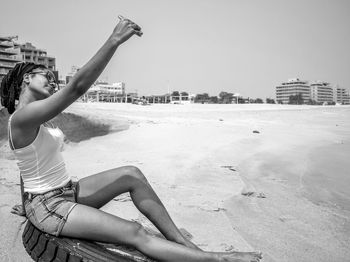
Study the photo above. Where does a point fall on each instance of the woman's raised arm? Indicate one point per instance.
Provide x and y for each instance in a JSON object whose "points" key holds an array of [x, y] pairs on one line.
{"points": [[90, 72], [40, 111]]}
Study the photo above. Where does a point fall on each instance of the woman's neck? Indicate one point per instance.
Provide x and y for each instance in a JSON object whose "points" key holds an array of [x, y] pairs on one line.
{"points": [[25, 99]]}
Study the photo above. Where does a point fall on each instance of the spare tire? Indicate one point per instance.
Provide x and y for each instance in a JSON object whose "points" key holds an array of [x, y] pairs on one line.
{"points": [[48, 248]]}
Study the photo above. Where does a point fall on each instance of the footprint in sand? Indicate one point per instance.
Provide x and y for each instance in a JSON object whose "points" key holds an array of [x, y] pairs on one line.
{"points": [[252, 193], [211, 209], [285, 218], [227, 247], [232, 168], [123, 198]]}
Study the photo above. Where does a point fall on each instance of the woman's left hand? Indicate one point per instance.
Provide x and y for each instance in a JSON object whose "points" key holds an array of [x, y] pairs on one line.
{"points": [[18, 210], [125, 29]]}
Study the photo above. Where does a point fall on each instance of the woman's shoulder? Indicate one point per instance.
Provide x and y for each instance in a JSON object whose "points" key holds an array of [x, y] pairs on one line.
{"points": [[19, 135]]}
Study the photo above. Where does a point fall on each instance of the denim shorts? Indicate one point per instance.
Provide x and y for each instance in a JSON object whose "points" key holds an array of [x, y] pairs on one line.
{"points": [[49, 211]]}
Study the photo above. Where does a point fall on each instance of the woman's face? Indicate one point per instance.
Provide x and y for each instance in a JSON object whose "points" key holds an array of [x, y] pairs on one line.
{"points": [[42, 83]]}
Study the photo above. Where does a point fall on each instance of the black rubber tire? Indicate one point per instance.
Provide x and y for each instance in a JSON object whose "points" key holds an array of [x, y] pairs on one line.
{"points": [[47, 248]]}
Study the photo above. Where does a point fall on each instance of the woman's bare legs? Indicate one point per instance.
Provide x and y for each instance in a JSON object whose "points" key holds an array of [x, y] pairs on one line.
{"points": [[85, 221], [99, 189], [93, 224]]}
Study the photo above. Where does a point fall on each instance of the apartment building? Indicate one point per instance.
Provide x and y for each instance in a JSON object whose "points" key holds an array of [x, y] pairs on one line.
{"points": [[12, 53], [341, 96], [39, 56], [9, 55], [292, 87], [321, 92]]}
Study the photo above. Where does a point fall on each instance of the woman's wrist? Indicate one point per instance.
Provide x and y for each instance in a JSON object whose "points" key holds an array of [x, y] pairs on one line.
{"points": [[115, 41]]}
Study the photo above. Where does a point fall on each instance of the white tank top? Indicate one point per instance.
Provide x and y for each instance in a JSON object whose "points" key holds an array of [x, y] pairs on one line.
{"points": [[41, 163]]}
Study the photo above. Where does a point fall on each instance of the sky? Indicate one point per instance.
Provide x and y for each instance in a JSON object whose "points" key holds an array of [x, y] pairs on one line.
{"points": [[198, 46]]}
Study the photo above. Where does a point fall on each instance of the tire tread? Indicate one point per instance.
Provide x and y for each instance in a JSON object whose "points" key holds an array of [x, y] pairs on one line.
{"points": [[43, 247]]}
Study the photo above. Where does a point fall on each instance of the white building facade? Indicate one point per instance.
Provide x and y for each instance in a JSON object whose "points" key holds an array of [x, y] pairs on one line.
{"points": [[321, 92], [291, 88], [115, 88], [341, 96], [10, 54]]}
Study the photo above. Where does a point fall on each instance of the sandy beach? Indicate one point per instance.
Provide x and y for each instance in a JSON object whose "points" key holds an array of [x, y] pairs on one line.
{"points": [[273, 178]]}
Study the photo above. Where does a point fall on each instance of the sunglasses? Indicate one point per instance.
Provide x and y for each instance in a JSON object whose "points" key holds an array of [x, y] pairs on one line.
{"points": [[49, 76]]}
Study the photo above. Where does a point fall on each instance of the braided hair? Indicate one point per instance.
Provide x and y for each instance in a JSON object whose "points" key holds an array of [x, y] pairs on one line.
{"points": [[10, 88]]}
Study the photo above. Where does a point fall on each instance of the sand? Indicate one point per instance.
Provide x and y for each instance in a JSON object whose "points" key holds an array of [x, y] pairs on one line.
{"points": [[282, 190]]}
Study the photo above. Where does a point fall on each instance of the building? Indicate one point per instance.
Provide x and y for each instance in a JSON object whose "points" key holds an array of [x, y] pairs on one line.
{"points": [[292, 87], [104, 92], [9, 55], [115, 88], [341, 96], [321, 92], [157, 99], [12, 53], [182, 98], [39, 56], [236, 97], [317, 92]]}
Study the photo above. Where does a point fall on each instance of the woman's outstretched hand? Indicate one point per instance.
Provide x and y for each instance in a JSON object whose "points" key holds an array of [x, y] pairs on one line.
{"points": [[18, 210], [125, 29]]}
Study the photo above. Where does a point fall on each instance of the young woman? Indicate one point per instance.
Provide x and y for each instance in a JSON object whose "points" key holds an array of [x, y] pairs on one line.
{"points": [[56, 205]]}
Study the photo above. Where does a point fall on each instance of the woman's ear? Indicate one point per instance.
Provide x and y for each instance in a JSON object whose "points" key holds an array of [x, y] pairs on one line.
{"points": [[26, 79]]}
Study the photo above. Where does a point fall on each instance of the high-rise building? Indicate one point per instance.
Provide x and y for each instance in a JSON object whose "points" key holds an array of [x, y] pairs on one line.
{"points": [[292, 87], [39, 56], [12, 53], [341, 96], [321, 92], [9, 55]]}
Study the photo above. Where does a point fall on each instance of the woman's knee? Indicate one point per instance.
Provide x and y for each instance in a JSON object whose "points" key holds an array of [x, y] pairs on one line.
{"points": [[135, 173], [138, 235]]}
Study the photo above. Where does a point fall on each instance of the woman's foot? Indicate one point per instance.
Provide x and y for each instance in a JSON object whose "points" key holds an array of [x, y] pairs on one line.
{"points": [[240, 256], [184, 239]]}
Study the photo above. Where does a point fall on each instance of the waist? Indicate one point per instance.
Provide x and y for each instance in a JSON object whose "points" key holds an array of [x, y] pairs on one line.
{"points": [[39, 184], [30, 196]]}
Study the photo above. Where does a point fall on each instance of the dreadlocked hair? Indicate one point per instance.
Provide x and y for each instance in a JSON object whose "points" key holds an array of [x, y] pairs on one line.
{"points": [[10, 88]]}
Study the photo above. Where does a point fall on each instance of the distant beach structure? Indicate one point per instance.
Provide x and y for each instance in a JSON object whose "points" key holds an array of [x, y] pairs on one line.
{"points": [[296, 91]]}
